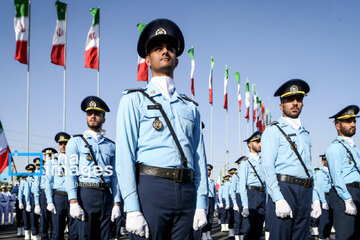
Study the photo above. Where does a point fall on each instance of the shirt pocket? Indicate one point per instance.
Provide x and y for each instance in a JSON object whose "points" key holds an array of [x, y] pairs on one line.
{"points": [[187, 121], [152, 122]]}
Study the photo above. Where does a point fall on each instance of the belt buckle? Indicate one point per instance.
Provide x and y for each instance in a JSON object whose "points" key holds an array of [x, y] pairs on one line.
{"points": [[307, 183], [179, 173]]}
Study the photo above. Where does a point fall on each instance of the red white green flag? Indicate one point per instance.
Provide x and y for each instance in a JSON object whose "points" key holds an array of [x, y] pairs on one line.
{"points": [[210, 81], [4, 150], [191, 54], [143, 69], [247, 99], [59, 39], [237, 76], [22, 29], [93, 41], [225, 87], [254, 102], [218, 182]]}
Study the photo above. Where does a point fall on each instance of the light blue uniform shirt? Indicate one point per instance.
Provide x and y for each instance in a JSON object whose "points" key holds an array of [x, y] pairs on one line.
{"points": [[248, 177], [323, 176], [279, 158], [104, 152], [212, 189], [234, 186], [341, 170], [33, 189], [39, 184], [24, 190], [55, 177], [318, 188], [227, 191], [137, 141], [221, 195]]}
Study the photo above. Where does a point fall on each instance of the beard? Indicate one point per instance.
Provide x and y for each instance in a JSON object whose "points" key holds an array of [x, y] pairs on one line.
{"points": [[94, 125], [348, 132], [290, 114]]}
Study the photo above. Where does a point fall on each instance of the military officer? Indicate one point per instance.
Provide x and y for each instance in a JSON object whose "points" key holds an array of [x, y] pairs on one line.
{"points": [[21, 196], [252, 189], [12, 200], [4, 206], [160, 149], [222, 204], [343, 160], [287, 167], [56, 196], [229, 203], [32, 202], [91, 184], [211, 206]]}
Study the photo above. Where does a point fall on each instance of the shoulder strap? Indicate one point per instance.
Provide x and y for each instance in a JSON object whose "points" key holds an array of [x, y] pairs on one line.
{"points": [[159, 107], [183, 96], [257, 175], [351, 156], [294, 148], [91, 152]]}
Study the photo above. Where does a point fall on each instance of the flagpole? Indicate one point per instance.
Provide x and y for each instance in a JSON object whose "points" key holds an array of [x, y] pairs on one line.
{"points": [[227, 137], [28, 91], [98, 72], [240, 133], [64, 90], [211, 136]]}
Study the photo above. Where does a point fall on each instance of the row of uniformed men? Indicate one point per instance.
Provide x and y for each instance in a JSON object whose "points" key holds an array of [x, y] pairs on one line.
{"points": [[7, 203]]}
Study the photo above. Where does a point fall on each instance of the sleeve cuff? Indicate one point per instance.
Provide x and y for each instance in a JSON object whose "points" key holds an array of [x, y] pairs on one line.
{"points": [[132, 205], [72, 195], [201, 203]]}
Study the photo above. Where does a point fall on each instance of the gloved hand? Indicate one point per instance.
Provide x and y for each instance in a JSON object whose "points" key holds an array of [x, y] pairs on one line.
{"points": [[350, 207], [227, 207], [282, 209], [325, 206], [236, 207], [76, 211], [37, 209], [21, 206], [216, 207], [245, 211], [221, 205], [51, 208], [316, 209], [200, 219], [136, 224], [115, 213], [28, 208]]}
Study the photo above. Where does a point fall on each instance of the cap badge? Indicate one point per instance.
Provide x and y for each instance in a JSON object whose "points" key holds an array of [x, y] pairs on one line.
{"points": [[62, 137], [160, 31], [294, 88], [351, 112], [92, 104]]}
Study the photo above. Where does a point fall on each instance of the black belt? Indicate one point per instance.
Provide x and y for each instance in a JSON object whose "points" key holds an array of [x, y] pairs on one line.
{"points": [[211, 197], [95, 185], [179, 175], [354, 184], [327, 193], [260, 189], [12, 200], [3, 201], [61, 193], [305, 182]]}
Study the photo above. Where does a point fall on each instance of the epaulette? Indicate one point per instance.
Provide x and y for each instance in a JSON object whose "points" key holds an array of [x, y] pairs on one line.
{"points": [[110, 140], [77, 135], [132, 90], [183, 96], [274, 123]]}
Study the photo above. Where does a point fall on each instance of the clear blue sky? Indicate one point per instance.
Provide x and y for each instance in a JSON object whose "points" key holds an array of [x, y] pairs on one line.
{"points": [[269, 42]]}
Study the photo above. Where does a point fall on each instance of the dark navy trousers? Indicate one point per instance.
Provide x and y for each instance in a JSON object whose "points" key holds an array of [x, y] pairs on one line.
{"points": [[325, 220], [34, 218], [19, 215], [97, 205], [299, 198], [210, 215], [230, 215], [45, 217], [224, 212], [238, 219], [120, 221], [347, 227], [26, 217], [168, 207], [253, 224], [59, 219]]}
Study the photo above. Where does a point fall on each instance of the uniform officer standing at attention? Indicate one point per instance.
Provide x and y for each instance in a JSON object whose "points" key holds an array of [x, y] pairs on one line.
{"points": [[211, 209], [343, 161], [252, 189], [160, 156], [287, 167], [92, 156]]}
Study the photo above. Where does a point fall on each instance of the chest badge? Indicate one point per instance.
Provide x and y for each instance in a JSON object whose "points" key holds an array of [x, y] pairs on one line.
{"points": [[88, 157], [157, 124]]}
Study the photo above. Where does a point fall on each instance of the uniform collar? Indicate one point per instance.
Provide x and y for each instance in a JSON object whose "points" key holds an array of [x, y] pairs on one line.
{"points": [[284, 123], [92, 134], [165, 85], [348, 140], [254, 156], [154, 91], [294, 122]]}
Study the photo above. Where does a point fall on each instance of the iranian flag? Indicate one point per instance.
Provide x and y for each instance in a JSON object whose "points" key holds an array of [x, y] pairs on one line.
{"points": [[218, 182], [254, 102], [4, 150], [93, 41], [237, 76], [210, 81], [22, 29], [225, 87], [247, 99], [59, 39], [191, 54], [143, 70]]}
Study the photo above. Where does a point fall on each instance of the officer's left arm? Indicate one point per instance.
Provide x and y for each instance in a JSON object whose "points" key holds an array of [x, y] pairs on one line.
{"points": [[114, 182], [318, 194], [72, 165], [200, 165], [243, 173], [35, 189]]}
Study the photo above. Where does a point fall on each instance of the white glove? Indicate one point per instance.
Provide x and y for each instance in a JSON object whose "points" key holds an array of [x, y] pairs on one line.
{"points": [[282, 209], [245, 211], [325, 206], [216, 207], [221, 205], [136, 224], [236, 207], [350, 207], [200, 219], [21, 206], [51, 208], [37, 209], [115, 213], [227, 207], [28, 208], [76, 211], [316, 209]]}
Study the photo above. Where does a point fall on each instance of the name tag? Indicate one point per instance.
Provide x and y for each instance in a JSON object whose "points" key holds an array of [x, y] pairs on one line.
{"points": [[292, 135], [153, 107]]}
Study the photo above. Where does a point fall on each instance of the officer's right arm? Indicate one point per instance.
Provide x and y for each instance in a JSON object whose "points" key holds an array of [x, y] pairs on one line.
{"points": [[317, 187], [243, 172], [72, 165], [49, 181], [269, 152], [127, 133], [27, 194], [234, 183], [21, 190]]}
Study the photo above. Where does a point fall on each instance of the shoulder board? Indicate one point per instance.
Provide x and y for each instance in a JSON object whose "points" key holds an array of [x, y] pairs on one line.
{"points": [[336, 141], [183, 96], [127, 91], [77, 135], [110, 140], [274, 123]]}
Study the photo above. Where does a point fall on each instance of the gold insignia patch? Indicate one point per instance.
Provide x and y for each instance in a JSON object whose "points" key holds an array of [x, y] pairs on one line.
{"points": [[157, 124], [160, 31], [294, 88], [88, 157], [92, 104]]}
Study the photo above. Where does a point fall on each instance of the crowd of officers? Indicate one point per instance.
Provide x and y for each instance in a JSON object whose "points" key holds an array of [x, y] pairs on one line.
{"points": [[157, 174]]}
